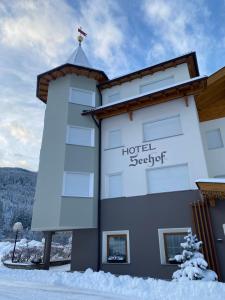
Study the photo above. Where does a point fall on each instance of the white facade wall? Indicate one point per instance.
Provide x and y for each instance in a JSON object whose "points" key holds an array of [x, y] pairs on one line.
{"points": [[132, 88], [215, 158], [182, 149]]}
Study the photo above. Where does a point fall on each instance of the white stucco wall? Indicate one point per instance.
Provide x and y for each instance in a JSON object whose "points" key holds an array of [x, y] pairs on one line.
{"points": [[183, 149], [215, 157], [132, 88]]}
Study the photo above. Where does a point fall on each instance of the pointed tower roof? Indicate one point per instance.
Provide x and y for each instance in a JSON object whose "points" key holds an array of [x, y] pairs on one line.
{"points": [[79, 58], [76, 64]]}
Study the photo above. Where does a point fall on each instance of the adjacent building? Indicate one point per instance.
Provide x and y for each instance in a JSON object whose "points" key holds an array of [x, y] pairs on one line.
{"points": [[120, 160]]}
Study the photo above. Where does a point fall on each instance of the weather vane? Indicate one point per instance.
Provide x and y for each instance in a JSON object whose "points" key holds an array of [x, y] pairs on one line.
{"points": [[81, 35]]}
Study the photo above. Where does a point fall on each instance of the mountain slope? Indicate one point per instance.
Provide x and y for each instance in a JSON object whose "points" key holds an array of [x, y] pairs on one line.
{"points": [[17, 188]]}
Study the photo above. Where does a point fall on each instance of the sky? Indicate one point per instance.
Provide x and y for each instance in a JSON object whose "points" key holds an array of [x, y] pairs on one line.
{"points": [[122, 36]]}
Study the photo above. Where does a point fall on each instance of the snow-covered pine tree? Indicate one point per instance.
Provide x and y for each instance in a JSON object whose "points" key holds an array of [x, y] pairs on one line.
{"points": [[192, 266]]}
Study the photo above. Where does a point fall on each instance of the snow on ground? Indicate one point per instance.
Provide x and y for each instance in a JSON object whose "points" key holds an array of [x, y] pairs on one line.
{"points": [[33, 284], [5, 248]]}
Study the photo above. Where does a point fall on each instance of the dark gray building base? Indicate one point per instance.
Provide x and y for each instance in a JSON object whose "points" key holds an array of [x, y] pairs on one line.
{"points": [[84, 250], [142, 216]]}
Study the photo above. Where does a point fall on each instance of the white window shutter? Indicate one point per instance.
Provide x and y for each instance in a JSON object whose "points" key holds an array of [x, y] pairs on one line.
{"points": [[214, 139], [80, 136], [162, 128], [115, 185], [78, 184], [83, 97], [168, 179], [114, 138], [157, 84]]}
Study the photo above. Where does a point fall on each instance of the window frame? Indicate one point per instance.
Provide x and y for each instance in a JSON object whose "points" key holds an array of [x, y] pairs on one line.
{"points": [[221, 139], [105, 235], [162, 243], [107, 184], [93, 104], [90, 188], [80, 127], [165, 137], [164, 167]]}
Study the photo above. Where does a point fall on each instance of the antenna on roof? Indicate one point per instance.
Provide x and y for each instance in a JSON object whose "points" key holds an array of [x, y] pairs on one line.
{"points": [[81, 35]]}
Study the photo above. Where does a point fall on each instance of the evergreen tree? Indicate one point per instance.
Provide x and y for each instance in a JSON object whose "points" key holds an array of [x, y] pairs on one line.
{"points": [[192, 266]]}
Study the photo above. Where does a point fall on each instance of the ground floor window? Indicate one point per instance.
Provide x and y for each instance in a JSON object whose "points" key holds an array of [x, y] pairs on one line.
{"points": [[115, 247], [169, 243]]}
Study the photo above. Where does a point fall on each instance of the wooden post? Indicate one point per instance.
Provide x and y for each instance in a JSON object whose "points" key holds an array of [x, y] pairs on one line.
{"points": [[14, 248], [47, 249]]}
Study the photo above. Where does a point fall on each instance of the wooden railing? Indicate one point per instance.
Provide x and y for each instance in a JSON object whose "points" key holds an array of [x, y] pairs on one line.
{"points": [[203, 229]]}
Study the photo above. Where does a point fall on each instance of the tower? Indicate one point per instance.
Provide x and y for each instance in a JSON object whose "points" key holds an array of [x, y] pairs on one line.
{"points": [[67, 185]]}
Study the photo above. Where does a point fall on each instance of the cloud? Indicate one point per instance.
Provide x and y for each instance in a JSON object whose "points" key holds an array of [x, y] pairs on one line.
{"points": [[40, 27], [36, 36], [106, 40], [178, 27]]}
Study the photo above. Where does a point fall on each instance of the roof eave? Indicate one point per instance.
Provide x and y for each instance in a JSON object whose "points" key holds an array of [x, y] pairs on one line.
{"points": [[98, 111], [129, 76], [60, 68]]}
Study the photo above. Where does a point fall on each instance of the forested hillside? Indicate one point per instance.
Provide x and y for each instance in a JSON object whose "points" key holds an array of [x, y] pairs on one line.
{"points": [[17, 188]]}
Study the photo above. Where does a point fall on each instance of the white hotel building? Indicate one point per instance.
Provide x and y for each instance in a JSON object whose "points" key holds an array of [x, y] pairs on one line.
{"points": [[120, 160]]}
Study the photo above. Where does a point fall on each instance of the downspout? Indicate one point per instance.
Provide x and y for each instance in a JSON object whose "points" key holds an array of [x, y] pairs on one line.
{"points": [[99, 187]]}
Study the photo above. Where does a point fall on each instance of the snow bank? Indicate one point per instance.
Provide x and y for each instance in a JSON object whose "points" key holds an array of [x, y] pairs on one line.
{"points": [[134, 287], [5, 248], [211, 180]]}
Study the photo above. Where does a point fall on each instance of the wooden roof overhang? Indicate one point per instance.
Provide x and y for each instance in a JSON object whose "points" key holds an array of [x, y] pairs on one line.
{"points": [[192, 87], [190, 59], [44, 78], [211, 102], [212, 191]]}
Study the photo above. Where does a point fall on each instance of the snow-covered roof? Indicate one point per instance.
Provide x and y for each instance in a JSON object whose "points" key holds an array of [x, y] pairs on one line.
{"points": [[211, 180], [79, 58], [148, 93]]}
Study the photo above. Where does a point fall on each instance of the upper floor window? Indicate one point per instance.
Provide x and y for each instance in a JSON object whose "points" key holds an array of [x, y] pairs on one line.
{"points": [[162, 128], [80, 136], [157, 84], [83, 97], [78, 184], [113, 97], [214, 139], [114, 138], [168, 179], [115, 185]]}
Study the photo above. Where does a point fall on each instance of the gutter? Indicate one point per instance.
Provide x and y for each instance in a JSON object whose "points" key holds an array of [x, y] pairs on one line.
{"points": [[99, 186]]}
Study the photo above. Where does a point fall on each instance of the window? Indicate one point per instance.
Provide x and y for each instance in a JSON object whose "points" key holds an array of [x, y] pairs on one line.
{"points": [[168, 179], [115, 247], [115, 185], [78, 184], [169, 243], [157, 84], [80, 136], [113, 97], [83, 97], [162, 129], [114, 139], [214, 139]]}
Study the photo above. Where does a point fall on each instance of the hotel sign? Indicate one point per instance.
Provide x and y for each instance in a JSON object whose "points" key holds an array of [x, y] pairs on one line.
{"points": [[152, 157]]}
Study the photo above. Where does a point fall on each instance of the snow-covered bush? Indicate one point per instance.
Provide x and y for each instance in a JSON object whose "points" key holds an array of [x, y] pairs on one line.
{"points": [[18, 226], [192, 263]]}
